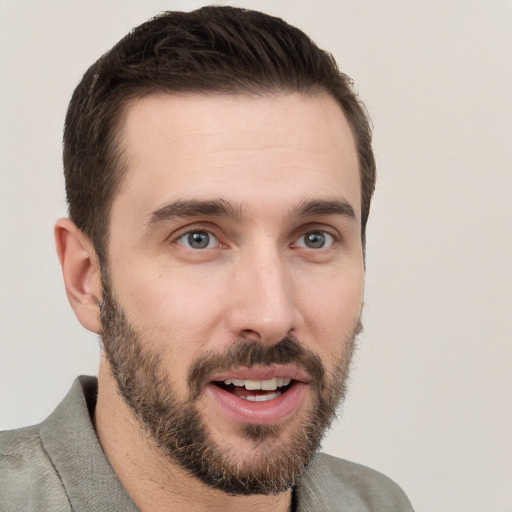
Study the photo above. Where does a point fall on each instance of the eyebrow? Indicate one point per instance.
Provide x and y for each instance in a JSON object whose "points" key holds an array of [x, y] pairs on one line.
{"points": [[194, 208], [319, 207], [190, 208]]}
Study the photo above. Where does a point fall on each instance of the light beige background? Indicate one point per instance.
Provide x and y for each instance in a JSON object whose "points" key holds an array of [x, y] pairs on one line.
{"points": [[431, 393]]}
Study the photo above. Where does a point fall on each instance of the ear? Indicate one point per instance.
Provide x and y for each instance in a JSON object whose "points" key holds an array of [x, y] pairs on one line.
{"points": [[81, 272]]}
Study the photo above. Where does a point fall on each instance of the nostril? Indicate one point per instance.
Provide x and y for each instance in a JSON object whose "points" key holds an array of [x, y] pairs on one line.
{"points": [[250, 334]]}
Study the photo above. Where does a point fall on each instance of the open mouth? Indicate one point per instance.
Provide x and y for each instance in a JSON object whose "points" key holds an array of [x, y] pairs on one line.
{"points": [[256, 390], [258, 395]]}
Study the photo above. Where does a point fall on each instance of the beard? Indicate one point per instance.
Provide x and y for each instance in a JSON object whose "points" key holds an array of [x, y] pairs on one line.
{"points": [[178, 430]]}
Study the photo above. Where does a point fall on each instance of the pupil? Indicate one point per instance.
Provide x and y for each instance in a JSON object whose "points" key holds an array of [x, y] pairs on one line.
{"points": [[198, 240], [315, 240]]}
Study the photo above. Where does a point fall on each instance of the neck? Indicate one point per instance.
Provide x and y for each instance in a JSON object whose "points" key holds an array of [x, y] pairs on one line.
{"points": [[153, 481]]}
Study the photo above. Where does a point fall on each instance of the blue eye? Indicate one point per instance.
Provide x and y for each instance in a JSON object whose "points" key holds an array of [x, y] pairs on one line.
{"points": [[198, 240], [315, 240]]}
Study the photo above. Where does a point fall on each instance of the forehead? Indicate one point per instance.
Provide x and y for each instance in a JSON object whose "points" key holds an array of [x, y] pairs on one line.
{"points": [[237, 148]]}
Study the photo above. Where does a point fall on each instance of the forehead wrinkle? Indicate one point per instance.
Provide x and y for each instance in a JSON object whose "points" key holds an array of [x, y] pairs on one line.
{"points": [[189, 208]]}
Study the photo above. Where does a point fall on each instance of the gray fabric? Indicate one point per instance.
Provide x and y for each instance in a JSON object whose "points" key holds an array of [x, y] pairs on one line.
{"points": [[59, 466], [333, 484]]}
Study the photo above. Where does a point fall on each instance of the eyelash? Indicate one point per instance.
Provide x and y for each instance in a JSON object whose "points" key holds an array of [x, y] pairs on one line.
{"points": [[329, 238], [196, 231]]}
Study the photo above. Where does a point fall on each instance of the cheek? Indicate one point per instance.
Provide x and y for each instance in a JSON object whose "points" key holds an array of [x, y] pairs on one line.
{"points": [[176, 318], [171, 304], [334, 308]]}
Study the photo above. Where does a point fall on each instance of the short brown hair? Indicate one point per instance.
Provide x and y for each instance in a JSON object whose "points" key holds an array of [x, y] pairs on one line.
{"points": [[212, 49]]}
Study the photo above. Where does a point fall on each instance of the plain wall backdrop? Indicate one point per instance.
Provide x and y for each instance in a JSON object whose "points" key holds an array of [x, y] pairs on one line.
{"points": [[431, 390]]}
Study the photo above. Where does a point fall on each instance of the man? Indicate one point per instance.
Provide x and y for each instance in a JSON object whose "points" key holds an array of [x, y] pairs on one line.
{"points": [[219, 174]]}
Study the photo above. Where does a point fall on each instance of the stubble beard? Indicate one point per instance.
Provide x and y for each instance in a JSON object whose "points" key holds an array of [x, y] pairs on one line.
{"points": [[179, 432]]}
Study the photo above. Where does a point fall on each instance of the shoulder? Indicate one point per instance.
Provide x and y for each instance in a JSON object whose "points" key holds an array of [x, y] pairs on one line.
{"points": [[21, 450], [28, 480], [333, 484]]}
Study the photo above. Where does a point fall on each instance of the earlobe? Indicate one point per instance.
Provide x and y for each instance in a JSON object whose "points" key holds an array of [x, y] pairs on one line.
{"points": [[80, 269]]}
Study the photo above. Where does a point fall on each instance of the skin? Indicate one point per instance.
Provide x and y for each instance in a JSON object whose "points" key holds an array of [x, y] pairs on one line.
{"points": [[257, 280]]}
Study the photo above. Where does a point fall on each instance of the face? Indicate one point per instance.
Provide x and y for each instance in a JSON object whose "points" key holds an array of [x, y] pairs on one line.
{"points": [[234, 286]]}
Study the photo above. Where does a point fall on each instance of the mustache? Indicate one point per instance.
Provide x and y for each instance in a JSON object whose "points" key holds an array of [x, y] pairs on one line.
{"points": [[248, 354]]}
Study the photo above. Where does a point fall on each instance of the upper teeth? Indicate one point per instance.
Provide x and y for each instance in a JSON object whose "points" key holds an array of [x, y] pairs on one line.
{"points": [[269, 384]]}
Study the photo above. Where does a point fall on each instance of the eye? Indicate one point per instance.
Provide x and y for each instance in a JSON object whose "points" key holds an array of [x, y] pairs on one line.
{"points": [[198, 240], [315, 240]]}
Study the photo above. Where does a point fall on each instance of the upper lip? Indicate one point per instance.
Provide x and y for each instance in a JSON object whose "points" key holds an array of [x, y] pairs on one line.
{"points": [[261, 373]]}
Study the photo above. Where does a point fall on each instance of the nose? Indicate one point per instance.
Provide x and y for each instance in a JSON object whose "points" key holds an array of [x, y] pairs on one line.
{"points": [[263, 300]]}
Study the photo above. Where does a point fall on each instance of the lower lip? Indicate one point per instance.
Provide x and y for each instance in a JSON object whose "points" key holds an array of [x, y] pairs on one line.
{"points": [[260, 413]]}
